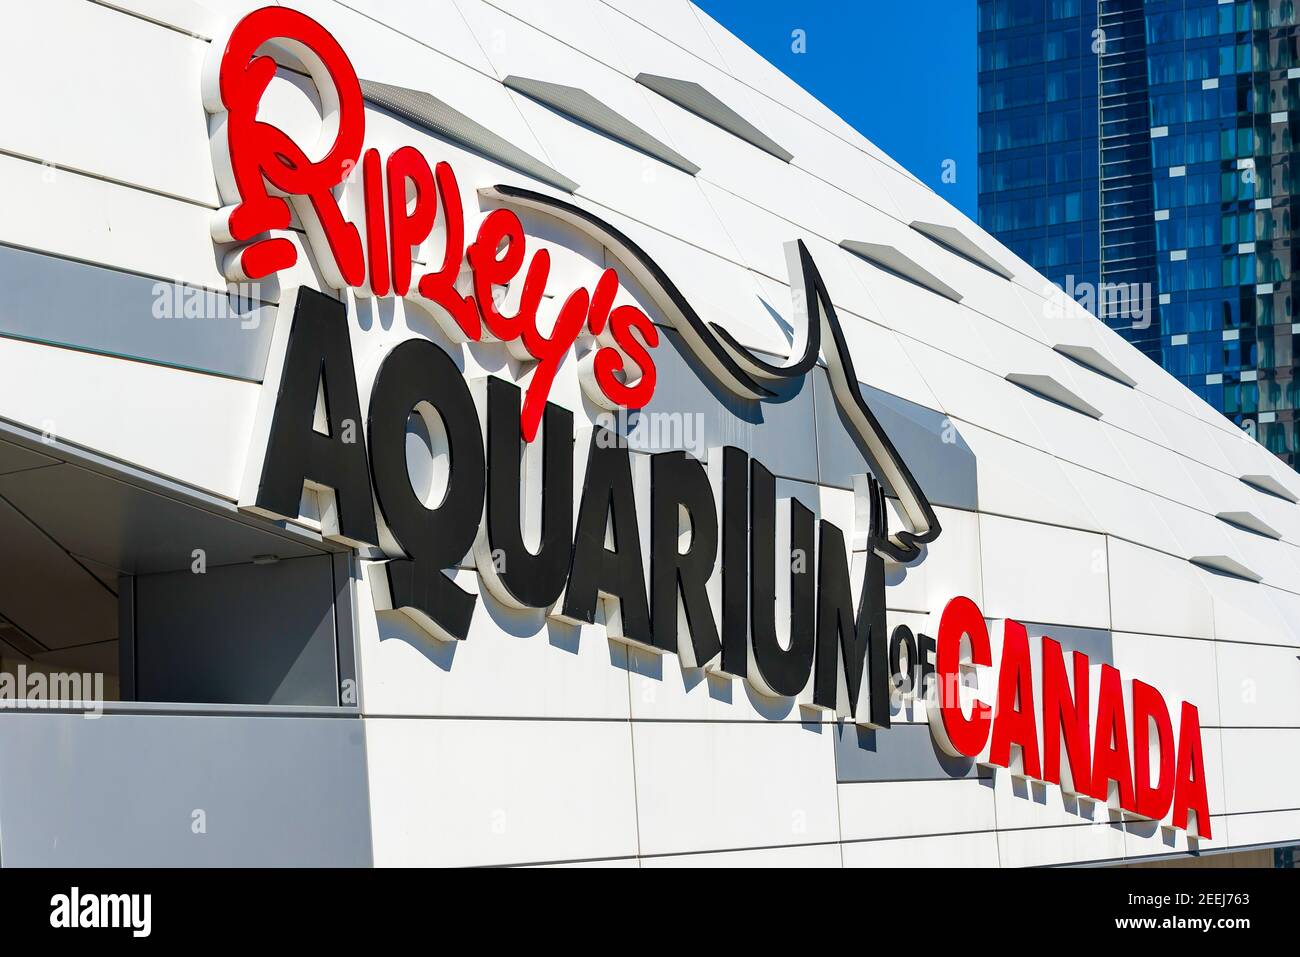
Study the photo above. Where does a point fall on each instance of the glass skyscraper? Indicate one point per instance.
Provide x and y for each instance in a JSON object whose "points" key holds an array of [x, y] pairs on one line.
{"points": [[1128, 146], [1039, 134]]}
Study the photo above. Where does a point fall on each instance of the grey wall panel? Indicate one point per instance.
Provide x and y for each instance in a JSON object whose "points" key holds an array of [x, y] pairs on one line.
{"points": [[445, 120], [901, 753], [238, 634], [689, 404], [1045, 386], [957, 241], [67, 303], [124, 789], [931, 445], [896, 261], [585, 108], [1097, 643], [691, 96]]}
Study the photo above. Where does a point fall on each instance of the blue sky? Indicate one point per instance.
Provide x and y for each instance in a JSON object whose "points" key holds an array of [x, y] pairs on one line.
{"points": [[904, 73]]}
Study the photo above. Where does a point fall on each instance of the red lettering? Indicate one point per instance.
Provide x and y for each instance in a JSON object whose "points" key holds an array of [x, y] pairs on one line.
{"points": [[550, 352], [1065, 716], [409, 221], [1151, 801], [263, 258], [959, 735], [601, 301], [496, 257], [1189, 786], [258, 154], [1110, 760], [633, 394], [440, 287], [259, 166], [1014, 721], [376, 235]]}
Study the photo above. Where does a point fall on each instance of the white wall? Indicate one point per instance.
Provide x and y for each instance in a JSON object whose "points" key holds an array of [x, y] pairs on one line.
{"points": [[537, 743]]}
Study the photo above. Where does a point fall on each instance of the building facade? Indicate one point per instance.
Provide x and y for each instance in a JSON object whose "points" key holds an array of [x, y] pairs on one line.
{"points": [[1190, 154], [505, 433]]}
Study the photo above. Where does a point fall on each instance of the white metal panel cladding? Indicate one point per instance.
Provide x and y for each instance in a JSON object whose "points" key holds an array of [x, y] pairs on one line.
{"points": [[543, 741], [295, 785]]}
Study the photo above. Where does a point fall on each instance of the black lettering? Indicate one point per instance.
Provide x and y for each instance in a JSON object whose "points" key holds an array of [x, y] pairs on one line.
{"points": [[735, 562], [902, 645], [417, 372], [318, 359], [532, 580], [681, 483], [784, 671], [608, 500]]}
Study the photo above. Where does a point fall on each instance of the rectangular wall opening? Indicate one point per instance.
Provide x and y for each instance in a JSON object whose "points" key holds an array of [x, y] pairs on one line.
{"points": [[119, 584]]}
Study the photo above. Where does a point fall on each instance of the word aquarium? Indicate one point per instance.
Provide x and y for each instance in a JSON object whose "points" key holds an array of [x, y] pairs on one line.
{"points": [[716, 601]]}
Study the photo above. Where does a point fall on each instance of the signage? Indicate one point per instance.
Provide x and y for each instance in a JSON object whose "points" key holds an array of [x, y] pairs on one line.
{"points": [[613, 540], [262, 174], [1026, 713]]}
